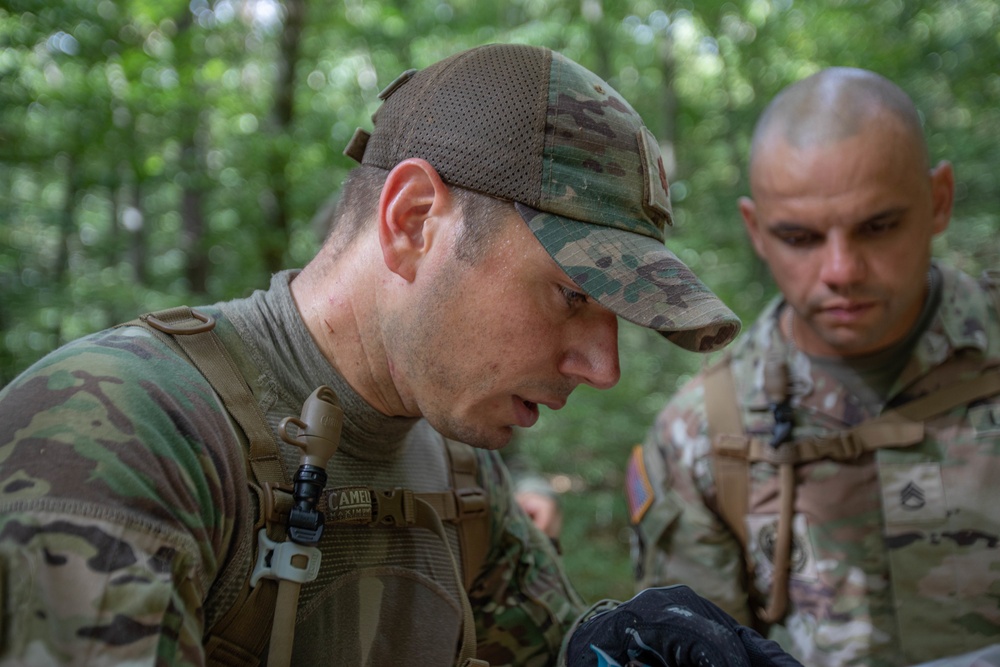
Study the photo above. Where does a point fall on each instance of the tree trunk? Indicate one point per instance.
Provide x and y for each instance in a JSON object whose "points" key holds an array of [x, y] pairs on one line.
{"points": [[193, 235], [66, 221], [136, 227], [277, 218], [667, 131]]}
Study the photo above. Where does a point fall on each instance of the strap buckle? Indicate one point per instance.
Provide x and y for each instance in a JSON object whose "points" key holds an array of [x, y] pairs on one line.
{"points": [[470, 503], [784, 453], [851, 447], [393, 507]]}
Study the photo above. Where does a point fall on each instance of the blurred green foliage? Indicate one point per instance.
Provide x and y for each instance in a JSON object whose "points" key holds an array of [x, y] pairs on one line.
{"points": [[157, 153]]}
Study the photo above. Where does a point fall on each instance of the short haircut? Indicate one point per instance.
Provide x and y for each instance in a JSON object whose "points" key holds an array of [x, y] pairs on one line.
{"points": [[483, 216]]}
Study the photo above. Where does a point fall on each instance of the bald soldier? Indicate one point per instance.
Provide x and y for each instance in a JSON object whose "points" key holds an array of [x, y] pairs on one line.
{"points": [[832, 479]]}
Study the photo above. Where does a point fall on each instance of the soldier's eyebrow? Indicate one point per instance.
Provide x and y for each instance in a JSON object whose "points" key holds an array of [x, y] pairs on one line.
{"points": [[884, 215], [784, 226]]}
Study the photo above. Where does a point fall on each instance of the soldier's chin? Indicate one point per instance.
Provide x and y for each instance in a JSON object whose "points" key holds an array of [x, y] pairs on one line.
{"points": [[480, 436], [851, 343]]}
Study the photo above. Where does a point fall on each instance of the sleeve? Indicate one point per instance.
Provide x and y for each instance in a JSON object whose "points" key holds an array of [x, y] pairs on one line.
{"points": [[523, 602], [81, 590], [114, 514], [678, 538]]}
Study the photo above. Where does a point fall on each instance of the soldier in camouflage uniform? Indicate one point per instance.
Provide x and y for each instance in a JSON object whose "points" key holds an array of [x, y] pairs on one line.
{"points": [[893, 558], [436, 308]]}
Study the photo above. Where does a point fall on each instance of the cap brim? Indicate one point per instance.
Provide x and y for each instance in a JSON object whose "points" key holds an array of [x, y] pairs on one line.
{"points": [[637, 278]]}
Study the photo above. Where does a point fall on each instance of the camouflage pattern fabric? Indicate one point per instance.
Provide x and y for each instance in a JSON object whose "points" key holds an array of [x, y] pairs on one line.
{"points": [[590, 194], [986, 657], [895, 556], [585, 172], [114, 514], [124, 498]]}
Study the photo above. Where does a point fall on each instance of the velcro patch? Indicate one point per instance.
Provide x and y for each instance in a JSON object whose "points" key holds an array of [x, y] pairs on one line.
{"points": [[762, 531], [638, 490], [656, 188], [912, 493]]}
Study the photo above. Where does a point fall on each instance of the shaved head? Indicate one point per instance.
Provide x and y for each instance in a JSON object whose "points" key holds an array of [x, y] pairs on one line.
{"points": [[832, 106]]}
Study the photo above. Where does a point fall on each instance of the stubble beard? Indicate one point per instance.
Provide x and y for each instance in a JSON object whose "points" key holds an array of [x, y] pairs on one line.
{"points": [[420, 347]]}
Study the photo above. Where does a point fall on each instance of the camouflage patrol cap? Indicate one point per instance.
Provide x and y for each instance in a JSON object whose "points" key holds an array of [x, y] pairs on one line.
{"points": [[528, 125]]}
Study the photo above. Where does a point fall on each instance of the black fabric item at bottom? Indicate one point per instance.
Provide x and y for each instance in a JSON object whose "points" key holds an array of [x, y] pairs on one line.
{"points": [[671, 627]]}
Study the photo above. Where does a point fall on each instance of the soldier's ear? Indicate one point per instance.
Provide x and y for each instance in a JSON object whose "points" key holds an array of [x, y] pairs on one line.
{"points": [[942, 194], [414, 200], [749, 212]]}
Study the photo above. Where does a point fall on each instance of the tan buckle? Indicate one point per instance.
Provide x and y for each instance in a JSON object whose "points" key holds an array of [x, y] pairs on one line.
{"points": [[393, 507], [852, 447], [470, 502], [783, 454]]}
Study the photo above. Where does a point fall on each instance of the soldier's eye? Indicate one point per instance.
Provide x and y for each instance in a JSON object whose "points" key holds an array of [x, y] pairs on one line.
{"points": [[798, 239], [573, 298]]}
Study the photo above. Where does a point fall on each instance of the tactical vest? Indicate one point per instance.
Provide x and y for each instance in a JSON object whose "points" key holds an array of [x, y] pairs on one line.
{"points": [[264, 608], [733, 450]]}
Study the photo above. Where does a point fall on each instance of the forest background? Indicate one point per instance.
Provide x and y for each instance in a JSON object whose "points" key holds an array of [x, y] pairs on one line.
{"points": [[160, 152]]}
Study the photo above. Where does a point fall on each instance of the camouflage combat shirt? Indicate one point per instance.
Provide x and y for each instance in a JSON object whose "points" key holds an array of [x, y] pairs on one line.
{"points": [[895, 557], [124, 495]]}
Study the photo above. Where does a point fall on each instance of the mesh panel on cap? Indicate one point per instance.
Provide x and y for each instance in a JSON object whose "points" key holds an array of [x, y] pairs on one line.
{"points": [[478, 118]]}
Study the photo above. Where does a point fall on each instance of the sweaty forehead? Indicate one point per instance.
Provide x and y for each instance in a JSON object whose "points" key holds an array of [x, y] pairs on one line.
{"points": [[881, 153], [818, 187]]}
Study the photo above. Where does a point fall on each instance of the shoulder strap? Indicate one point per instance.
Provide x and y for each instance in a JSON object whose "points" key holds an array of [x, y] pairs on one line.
{"points": [[194, 333], [900, 427], [731, 466], [471, 502], [729, 446], [241, 634]]}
